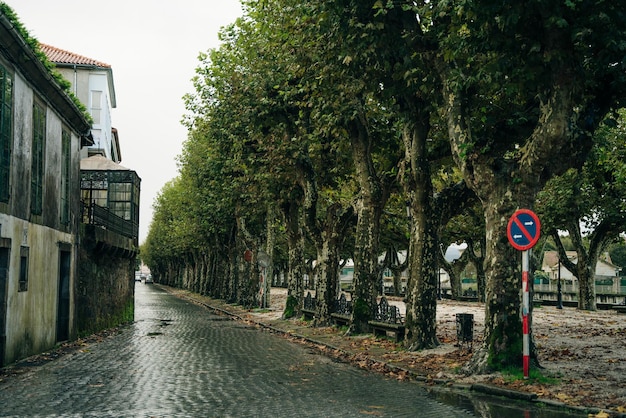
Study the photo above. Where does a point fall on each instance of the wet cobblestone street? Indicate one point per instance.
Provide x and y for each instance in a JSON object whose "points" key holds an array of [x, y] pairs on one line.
{"points": [[179, 359]]}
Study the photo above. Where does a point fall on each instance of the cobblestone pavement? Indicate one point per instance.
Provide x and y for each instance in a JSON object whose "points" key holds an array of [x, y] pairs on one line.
{"points": [[181, 360]]}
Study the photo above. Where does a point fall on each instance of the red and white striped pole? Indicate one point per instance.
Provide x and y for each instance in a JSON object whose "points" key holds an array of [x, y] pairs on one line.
{"points": [[523, 232], [525, 312]]}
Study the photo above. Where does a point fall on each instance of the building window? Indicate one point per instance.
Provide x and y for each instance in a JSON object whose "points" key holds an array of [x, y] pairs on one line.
{"points": [[38, 153], [6, 131], [23, 284], [96, 106], [98, 197], [66, 160], [120, 199]]}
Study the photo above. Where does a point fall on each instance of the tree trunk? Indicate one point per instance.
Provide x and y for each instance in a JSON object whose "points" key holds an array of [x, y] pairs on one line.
{"points": [[325, 289], [586, 287], [365, 268], [503, 326], [455, 270], [326, 234], [479, 263], [585, 268], [296, 263], [369, 206], [397, 281], [393, 263], [328, 262], [455, 283], [266, 267], [248, 271], [421, 298]]}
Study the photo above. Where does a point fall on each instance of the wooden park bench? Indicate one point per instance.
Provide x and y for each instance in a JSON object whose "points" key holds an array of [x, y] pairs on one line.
{"points": [[387, 320], [342, 311], [308, 308], [469, 295]]}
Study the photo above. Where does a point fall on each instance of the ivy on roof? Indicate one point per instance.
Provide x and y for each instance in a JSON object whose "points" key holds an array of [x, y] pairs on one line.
{"points": [[33, 43]]}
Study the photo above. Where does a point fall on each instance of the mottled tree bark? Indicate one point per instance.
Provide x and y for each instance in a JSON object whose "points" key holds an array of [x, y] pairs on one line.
{"points": [[266, 267], [369, 205], [331, 237], [455, 269], [421, 298], [296, 263], [327, 277], [479, 262], [327, 233], [584, 269]]}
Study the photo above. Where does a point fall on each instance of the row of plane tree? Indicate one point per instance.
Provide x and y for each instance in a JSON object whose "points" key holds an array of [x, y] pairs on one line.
{"points": [[330, 130]]}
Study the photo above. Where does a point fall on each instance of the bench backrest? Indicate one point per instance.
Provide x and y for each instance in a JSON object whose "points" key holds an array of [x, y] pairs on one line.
{"points": [[343, 306], [388, 313]]}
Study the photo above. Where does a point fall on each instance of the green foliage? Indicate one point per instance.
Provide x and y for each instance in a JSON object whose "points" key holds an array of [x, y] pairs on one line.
{"points": [[618, 255], [361, 311], [113, 320], [593, 195], [535, 376], [290, 307], [505, 347], [261, 310]]}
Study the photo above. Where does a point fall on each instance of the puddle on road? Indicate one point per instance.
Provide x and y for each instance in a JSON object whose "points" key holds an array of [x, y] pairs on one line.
{"points": [[486, 406]]}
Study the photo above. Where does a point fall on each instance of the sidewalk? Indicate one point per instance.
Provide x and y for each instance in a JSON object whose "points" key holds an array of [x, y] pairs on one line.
{"points": [[582, 353]]}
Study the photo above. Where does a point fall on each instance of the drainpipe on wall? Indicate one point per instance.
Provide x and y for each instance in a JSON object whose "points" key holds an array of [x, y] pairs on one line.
{"points": [[75, 81]]}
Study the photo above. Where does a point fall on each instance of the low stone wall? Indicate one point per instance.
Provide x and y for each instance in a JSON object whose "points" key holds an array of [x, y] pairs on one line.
{"points": [[105, 288]]}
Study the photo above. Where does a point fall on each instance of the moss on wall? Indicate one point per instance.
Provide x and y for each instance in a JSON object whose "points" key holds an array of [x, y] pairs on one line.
{"points": [[105, 289]]}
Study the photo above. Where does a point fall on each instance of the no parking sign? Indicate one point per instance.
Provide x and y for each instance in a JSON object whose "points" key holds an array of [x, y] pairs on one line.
{"points": [[523, 229], [523, 233]]}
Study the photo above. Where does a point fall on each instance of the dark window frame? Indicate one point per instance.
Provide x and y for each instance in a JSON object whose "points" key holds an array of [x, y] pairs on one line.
{"points": [[24, 261], [66, 177], [38, 158], [6, 132]]}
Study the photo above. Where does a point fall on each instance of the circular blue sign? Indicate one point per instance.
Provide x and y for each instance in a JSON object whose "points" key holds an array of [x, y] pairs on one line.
{"points": [[523, 229]]}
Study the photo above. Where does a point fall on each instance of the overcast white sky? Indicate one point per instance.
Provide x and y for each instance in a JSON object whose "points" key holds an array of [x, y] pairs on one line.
{"points": [[152, 46]]}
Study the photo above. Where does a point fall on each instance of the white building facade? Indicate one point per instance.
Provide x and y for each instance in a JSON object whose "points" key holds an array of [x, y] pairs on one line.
{"points": [[92, 84], [609, 285]]}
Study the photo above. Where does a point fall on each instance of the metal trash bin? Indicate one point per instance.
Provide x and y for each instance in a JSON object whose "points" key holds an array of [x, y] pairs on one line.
{"points": [[464, 328]]}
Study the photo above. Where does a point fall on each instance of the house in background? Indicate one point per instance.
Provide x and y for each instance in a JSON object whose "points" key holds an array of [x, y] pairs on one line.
{"points": [[610, 287], [110, 201], [41, 133], [105, 183], [92, 83]]}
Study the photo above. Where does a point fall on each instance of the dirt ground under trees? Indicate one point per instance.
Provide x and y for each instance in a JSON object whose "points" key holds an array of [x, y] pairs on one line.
{"points": [[582, 354]]}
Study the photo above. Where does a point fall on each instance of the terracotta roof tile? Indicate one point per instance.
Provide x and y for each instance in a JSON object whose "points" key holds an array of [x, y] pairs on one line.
{"points": [[60, 56]]}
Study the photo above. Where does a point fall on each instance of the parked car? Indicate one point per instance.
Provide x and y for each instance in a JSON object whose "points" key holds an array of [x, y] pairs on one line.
{"points": [[149, 279]]}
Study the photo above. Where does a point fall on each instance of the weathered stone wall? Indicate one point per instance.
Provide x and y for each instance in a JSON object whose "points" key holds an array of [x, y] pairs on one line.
{"points": [[106, 281]]}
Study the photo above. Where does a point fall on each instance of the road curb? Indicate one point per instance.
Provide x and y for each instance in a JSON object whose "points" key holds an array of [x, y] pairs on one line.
{"points": [[498, 391]]}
